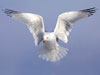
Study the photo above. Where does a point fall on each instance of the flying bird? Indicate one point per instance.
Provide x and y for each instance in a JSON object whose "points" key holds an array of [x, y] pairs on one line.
{"points": [[51, 50]]}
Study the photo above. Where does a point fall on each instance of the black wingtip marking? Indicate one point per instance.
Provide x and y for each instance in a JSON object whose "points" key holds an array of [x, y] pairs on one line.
{"points": [[9, 12], [90, 10]]}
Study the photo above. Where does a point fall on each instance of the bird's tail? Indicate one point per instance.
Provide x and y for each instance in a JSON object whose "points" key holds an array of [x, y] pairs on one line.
{"points": [[52, 55]]}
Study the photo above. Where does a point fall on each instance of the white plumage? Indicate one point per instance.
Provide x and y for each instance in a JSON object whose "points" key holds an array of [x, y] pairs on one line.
{"points": [[51, 51]]}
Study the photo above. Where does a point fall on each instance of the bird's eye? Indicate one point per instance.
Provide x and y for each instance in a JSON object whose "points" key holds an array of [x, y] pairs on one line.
{"points": [[46, 37]]}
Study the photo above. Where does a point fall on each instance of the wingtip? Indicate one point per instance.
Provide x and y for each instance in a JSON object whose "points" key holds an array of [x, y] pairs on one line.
{"points": [[9, 12], [6, 11], [95, 8], [91, 11]]}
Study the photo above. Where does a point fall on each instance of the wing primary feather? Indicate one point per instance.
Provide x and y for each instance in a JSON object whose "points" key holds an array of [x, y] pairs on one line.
{"points": [[9, 12], [91, 11]]}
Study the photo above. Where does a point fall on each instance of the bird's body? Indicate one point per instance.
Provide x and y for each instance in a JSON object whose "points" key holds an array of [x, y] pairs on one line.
{"points": [[51, 41], [51, 50]]}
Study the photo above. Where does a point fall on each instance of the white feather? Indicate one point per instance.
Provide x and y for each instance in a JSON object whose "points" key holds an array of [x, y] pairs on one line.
{"points": [[52, 55], [34, 22], [65, 22]]}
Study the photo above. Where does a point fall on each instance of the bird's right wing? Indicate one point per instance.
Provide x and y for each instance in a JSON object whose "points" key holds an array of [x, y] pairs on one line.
{"points": [[34, 22], [65, 22]]}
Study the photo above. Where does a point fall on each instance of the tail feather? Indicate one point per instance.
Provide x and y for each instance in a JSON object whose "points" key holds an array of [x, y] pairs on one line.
{"points": [[52, 55]]}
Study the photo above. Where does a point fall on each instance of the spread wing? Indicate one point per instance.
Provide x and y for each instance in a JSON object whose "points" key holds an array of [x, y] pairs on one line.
{"points": [[33, 21], [65, 22]]}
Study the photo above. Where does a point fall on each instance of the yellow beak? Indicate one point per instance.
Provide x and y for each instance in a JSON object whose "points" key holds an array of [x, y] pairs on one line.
{"points": [[44, 41]]}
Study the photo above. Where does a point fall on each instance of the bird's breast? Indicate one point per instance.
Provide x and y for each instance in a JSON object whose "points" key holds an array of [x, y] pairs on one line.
{"points": [[50, 44]]}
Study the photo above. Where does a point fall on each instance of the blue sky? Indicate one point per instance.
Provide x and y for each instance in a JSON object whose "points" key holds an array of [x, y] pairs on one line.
{"points": [[17, 48]]}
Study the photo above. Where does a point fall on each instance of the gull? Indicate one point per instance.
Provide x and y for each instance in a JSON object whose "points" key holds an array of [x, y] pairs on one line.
{"points": [[50, 50]]}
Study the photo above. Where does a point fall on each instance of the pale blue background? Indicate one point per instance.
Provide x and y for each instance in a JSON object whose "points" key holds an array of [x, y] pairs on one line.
{"points": [[17, 48]]}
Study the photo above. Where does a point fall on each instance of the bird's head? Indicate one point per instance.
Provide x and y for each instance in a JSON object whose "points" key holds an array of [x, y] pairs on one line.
{"points": [[48, 37]]}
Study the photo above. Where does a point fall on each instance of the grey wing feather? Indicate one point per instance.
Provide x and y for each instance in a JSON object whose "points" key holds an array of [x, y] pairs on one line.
{"points": [[10, 12], [34, 22], [65, 22], [91, 11]]}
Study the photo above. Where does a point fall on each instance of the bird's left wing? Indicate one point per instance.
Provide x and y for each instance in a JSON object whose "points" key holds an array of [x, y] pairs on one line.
{"points": [[65, 22], [34, 22]]}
